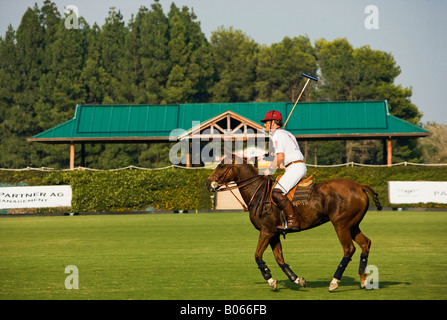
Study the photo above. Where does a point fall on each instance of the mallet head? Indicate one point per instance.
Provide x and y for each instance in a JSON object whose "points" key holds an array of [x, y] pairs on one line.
{"points": [[309, 77]]}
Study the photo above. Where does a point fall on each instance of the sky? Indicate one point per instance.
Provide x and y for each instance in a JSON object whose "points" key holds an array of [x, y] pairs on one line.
{"points": [[413, 31]]}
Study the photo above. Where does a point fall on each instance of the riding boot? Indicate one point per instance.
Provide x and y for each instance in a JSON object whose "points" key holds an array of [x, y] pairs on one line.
{"points": [[284, 204]]}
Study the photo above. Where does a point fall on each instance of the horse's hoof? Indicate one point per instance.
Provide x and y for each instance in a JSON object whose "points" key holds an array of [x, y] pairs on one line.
{"points": [[301, 282], [272, 282], [363, 280], [333, 285]]}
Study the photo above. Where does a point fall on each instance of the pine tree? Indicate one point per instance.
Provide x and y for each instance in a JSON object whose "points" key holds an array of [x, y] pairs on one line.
{"points": [[111, 50], [30, 53], [192, 70], [146, 60], [280, 67], [235, 58], [94, 77], [61, 87]]}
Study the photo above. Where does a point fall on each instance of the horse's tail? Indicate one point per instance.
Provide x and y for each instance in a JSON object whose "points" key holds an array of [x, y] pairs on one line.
{"points": [[374, 195]]}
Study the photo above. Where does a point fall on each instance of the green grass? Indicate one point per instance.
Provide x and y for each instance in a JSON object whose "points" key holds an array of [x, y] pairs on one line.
{"points": [[211, 256]]}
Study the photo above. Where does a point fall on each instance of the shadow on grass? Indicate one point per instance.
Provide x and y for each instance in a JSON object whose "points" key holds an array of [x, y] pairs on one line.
{"points": [[346, 283]]}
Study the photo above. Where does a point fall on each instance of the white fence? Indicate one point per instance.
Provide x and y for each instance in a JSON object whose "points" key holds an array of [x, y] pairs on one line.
{"points": [[213, 165]]}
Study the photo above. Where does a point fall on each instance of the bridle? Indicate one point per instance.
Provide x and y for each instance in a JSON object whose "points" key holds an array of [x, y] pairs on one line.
{"points": [[225, 186]]}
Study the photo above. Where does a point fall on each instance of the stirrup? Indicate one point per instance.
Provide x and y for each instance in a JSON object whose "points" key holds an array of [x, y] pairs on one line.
{"points": [[285, 228]]}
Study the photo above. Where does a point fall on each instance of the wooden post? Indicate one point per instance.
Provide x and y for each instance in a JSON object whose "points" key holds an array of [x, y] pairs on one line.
{"points": [[389, 152], [188, 154], [72, 156]]}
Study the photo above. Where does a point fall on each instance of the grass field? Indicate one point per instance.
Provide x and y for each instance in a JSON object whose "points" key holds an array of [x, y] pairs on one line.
{"points": [[211, 256]]}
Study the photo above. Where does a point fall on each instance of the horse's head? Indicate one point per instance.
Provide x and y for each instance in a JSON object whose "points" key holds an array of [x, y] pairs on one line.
{"points": [[225, 172]]}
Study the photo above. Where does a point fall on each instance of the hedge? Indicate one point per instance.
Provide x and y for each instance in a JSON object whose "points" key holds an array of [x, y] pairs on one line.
{"points": [[181, 189]]}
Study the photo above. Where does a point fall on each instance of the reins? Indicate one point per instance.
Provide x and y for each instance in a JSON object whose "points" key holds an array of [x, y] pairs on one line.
{"points": [[241, 184]]}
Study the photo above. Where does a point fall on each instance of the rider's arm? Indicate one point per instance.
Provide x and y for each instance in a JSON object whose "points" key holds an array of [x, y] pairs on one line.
{"points": [[276, 163], [279, 159]]}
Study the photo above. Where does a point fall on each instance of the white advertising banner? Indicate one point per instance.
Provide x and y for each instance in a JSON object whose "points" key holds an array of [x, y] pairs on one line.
{"points": [[35, 197], [417, 191]]}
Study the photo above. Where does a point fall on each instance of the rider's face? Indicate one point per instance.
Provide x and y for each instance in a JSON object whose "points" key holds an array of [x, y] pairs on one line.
{"points": [[268, 126]]}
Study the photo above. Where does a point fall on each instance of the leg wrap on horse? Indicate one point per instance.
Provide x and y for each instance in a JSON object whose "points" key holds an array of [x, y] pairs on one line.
{"points": [[363, 263], [264, 269], [289, 273], [341, 268]]}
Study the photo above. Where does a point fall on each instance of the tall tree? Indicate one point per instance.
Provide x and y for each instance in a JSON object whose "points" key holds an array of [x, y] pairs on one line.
{"points": [[280, 66], [146, 59], [349, 74], [435, 146], [60, 88], [19, 116], [235, 59], [192, 70], [111, 41], [94, 77]]}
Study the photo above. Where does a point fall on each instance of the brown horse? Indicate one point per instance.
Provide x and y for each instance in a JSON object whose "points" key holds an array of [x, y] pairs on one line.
{"points": [[341, 201]]}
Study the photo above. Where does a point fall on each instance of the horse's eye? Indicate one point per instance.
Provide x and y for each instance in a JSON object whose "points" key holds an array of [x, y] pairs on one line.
{"points": [[221, 166]]}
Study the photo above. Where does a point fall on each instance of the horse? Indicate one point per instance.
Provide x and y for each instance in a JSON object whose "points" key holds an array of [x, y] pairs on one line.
{"points": [[341, 201]]}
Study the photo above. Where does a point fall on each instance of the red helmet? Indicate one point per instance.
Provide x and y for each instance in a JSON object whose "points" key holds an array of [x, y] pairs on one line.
{"points": [[272, 115]]}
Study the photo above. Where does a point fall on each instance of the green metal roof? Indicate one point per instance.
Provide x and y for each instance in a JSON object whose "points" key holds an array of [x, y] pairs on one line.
{"points": [[310, 120]]}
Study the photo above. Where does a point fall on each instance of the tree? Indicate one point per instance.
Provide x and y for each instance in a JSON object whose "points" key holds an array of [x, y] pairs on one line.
{"points": [[147, 55], [60, 88], [235, 60], [280, 67], [9, 74], [349, 74], [435, 146], [192, 73], [21, 68], [46, 69], [111, 41], [94, 77]]}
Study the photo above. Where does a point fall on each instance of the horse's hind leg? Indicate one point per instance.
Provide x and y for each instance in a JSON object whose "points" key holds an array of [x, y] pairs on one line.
{"points": [[263, 242], [364, 243], [344, 235], [275, 243]]}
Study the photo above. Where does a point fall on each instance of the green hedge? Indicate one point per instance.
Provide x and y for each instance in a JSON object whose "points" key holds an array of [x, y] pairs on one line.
{"points": [[124, 190], [181, 189]]}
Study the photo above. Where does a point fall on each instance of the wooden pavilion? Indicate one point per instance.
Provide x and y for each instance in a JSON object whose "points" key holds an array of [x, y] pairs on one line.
{"points": [[353, 120]]}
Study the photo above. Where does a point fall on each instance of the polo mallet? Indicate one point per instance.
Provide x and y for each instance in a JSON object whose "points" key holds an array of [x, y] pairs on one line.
{"points": [[308, 79]]}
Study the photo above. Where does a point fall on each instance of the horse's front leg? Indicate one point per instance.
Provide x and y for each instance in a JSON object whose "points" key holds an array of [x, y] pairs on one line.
{"points": [[263, 242], [275, 243]]}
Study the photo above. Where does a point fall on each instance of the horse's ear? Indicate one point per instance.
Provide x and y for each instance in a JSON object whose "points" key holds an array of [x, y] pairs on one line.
{"points": [[228, 157], [238, 160]]}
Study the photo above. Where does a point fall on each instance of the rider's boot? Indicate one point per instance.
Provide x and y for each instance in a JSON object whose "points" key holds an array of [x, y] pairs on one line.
{"points": [[284, 204]]}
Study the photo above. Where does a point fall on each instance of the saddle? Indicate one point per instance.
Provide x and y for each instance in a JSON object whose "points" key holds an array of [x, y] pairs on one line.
{"points": [[299, 194]]}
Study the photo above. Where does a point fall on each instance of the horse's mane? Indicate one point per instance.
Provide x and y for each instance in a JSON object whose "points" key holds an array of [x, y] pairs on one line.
{"points": [[250, 166], [244, 161], [253, 169]]}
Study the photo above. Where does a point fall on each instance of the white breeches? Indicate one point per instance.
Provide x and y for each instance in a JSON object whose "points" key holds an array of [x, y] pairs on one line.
{"points": [[292, 175]]}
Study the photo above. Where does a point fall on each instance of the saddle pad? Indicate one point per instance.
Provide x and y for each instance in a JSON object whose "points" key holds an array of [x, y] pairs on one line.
{"points": [[300, 194]]}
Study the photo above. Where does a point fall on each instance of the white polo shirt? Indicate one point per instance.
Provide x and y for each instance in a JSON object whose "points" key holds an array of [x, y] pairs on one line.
{"points": [[285, 142]]}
